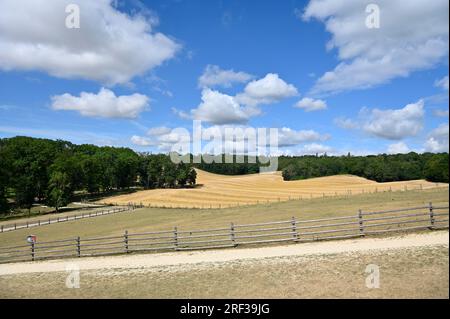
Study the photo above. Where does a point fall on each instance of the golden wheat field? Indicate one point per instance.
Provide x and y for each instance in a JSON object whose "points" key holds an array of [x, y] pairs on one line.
{"points": [[219, 191]]}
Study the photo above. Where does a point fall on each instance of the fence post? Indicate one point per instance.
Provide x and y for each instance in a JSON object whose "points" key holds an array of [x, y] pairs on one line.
{"points": [[32, 251], [431, 215], [27, 223], [125, 238], [294, 228], [15, 226], [2, 228], [78, 246], [232, 235], [175, 237], [361, 226]]}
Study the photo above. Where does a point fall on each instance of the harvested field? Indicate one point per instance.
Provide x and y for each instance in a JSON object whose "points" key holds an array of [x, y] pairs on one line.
{"points": [[219, 191]]}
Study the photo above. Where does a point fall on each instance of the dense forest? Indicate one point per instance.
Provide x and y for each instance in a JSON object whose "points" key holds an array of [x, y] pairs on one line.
{"points": [[380, 168], [40, 170]]}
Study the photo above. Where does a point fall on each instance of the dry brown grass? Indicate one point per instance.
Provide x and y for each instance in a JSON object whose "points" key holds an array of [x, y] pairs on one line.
{"points": [[420, 272], [218, 191]]}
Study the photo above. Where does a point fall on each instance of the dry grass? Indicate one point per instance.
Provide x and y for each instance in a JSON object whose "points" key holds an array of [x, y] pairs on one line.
{"points": [[405, 273], [154, 219], [218, 191]]}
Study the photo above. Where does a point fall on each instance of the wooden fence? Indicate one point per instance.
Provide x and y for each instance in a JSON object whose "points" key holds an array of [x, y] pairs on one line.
{"points": [[59, 219], [293, 230]]}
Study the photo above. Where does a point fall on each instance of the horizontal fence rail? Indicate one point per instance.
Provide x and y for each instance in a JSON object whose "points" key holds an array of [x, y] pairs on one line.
{"points": [[60, 219], [292, 230]]}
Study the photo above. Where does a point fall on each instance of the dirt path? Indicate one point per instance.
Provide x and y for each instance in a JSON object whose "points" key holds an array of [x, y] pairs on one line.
{"points": [[225, 255]]}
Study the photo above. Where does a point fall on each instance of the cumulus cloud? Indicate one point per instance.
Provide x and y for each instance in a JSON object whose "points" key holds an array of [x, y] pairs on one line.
{"points": [[438, 139], [104, 104], [163, 138], [310, 105], [413, 36], [110, 46], [442, 83], [395, 124], [213, 76], [398, 148], [290, 137], [286, 136], [270, 89], [219, 108]]}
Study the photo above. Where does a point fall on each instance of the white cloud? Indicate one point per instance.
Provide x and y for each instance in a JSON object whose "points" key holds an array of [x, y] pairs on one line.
{"points": [[310, 105], [440, 113], [438, 139], [162, 137], [110, 46], [219, 108], [181, 114], [160, 130], [413, 35], [215, 76], [103, 104], [346, 123], [396, 124], [270, 89], [141, 141], [286, 135], [290, 137], [442, 83], [315, 148], [398, 148]]}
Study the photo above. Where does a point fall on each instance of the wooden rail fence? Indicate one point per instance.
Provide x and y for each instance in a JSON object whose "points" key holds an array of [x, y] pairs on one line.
{"points": [[59, 219], [292, 230]]}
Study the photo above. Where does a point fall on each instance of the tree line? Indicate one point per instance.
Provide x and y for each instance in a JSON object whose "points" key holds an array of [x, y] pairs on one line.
{"points": [[380, 168], [52, 172]]}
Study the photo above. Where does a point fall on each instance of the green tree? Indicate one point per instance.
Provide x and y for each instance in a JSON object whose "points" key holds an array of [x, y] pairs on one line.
{"points": [[192, 177], [436, 169], [59, 190], [182, 173]]}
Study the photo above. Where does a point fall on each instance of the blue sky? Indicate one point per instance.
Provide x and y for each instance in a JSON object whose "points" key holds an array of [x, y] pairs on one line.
{"points": [[313, 69]]}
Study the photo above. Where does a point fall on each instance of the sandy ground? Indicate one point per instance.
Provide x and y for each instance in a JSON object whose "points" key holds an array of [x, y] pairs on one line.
{"points": [[143, 261], [219, 191]]}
